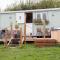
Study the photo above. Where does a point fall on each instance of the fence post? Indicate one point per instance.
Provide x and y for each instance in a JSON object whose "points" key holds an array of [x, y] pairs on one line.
{"points": [[25, 30], [5, 40], [21, 37]]}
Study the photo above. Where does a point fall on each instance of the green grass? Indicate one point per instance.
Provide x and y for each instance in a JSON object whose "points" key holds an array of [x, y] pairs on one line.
{"points": [[30, 52]]}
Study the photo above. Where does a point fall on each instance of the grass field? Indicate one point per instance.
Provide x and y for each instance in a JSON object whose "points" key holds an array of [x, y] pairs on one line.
{"points": [[30, 52]]}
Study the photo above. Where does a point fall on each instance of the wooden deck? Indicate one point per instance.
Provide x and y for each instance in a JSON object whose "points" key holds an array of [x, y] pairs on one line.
{"points": [[41, 42], [39, 39], [35, 39]]}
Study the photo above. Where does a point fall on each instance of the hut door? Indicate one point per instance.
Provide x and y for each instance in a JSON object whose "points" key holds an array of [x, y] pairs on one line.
{"points": [[28, 23], [28, 17]]}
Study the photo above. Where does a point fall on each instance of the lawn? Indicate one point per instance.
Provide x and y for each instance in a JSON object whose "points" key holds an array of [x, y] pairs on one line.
{"points": [[30, 52]]}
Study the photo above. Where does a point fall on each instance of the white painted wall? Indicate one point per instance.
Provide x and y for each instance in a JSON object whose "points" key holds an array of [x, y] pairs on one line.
{"points": [[20, 20], [6, 19], [52, 16], [20, 17], [37, 26]]}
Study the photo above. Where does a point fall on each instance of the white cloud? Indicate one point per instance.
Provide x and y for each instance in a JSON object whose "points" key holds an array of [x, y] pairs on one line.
{"points": [[5, 3]]}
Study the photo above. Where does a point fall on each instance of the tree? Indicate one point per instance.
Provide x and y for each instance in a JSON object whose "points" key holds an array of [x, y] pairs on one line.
{"points": [[30, 5]]}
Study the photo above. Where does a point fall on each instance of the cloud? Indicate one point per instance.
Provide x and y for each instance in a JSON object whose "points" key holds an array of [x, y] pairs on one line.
{"points": [[5, 3]]}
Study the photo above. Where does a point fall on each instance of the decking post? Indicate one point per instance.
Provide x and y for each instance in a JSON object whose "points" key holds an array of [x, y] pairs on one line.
{"points": [[11, 33], [20, 37], [44, 26], [25, 30], [5, 40], [11, 26]]}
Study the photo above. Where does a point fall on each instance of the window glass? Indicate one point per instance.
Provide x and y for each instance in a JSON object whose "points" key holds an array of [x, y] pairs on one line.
{"points": [[44, 16], [38, 16]]}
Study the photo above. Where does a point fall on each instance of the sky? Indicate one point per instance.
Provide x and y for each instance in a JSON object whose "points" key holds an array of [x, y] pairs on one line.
{"points": [[5, 3]]}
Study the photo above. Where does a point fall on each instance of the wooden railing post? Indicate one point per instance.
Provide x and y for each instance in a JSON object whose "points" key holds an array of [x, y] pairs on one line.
{"points": [[11, 26], [5, 39], [25, 30], [21, 37]]}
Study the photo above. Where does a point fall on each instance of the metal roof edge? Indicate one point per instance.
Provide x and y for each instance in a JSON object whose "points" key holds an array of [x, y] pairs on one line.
{"points": [[35, 10]]}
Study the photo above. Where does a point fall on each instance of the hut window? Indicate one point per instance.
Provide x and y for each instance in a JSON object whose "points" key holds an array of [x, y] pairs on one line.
{"points": [[44, 16], [38, 16]]}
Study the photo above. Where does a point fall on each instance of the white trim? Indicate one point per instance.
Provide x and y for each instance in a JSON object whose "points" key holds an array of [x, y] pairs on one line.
{"points": [[26, 11]]}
